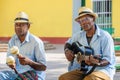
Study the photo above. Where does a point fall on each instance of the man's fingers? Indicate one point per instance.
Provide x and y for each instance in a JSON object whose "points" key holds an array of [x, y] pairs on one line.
{"points": [[20, 56]]}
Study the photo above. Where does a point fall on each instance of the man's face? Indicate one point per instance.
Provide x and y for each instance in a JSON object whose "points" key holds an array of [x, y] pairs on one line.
{"points": [[86, 22], [21, 28]]}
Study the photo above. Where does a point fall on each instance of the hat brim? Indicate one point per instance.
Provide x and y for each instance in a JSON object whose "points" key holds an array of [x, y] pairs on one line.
{"points": [[92, 14], [21, 21]]}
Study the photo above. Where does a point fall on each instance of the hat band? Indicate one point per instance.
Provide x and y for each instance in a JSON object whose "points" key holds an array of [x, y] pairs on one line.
{"points": [[21, 19], [84, 12]]}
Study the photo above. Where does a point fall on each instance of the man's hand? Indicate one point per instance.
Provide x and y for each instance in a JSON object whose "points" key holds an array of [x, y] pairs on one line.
{"points": [[35, 65], [24, 60], [69, 54], [12, 66], [92, 60]]}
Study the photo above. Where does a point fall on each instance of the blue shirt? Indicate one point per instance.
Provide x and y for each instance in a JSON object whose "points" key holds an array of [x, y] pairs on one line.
{"points": [[102, 44], [33, 48]]}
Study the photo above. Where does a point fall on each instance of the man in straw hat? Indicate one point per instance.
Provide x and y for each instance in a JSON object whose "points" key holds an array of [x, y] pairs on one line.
{"points": [[99, 41], [30, 58]]}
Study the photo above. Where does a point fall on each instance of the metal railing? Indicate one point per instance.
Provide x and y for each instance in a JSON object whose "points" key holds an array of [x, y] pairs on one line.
{"points": [[104, 10]]}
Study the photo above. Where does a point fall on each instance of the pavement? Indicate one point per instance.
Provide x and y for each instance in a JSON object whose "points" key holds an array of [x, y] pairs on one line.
{"points": [[56, 63]]}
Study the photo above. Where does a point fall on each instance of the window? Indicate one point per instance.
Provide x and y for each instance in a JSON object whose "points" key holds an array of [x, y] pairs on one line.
{"points": [[104, 10]]}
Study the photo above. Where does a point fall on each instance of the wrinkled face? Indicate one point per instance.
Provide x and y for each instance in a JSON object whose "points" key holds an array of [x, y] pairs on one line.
{"points": [[21, 28], [86, 22]]}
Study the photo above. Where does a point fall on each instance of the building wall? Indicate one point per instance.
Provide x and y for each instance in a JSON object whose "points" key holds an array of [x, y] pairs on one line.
{"points": [[116, 17], [75, 25], [50, 18], [89, 3]]}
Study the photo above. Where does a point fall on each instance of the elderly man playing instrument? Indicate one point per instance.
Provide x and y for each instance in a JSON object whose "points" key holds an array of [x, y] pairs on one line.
{"points": [[100, 64]]}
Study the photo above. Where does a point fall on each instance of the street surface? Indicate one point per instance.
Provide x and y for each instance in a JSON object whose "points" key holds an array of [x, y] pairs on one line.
{"points": [[56, 63]]}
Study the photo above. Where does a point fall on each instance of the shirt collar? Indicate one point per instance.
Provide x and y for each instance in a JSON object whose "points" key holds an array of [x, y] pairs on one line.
{"points": [[26, 38], [97, 30]]}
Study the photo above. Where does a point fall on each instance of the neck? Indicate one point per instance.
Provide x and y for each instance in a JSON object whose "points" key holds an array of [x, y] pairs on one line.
{"points": [[90, 32], [21, 38]]}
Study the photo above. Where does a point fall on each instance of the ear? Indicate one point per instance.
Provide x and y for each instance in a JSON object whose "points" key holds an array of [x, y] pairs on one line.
{"points": [[93, 18], [28, 25]]}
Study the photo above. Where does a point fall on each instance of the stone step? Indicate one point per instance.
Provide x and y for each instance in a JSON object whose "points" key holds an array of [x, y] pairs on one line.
{"points": [[117, 53], [3, 47], [47, 44]]}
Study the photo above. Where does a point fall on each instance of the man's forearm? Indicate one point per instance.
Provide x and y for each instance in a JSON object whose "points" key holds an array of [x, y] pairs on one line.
{"points": [[38, 66]]}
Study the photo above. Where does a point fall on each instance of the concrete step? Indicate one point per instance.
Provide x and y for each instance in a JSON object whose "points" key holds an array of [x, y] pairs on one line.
{"points": [[3, 47], [117, 53], [47, 44]]}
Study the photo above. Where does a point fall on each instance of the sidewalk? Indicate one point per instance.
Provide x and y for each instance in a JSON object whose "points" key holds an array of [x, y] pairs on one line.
{"points": [[56, 63]]}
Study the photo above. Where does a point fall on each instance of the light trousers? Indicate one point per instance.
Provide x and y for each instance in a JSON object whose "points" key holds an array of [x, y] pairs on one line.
{"points": [[77, 75]]}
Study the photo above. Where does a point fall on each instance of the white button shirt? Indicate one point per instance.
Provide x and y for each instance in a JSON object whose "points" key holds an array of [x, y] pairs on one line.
{"points": [[33, 48], [102, 44]]}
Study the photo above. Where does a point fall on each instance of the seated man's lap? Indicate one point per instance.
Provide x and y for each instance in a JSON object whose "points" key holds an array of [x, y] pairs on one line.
{"points": [[77, 75], [72, 75], [97, 75]]}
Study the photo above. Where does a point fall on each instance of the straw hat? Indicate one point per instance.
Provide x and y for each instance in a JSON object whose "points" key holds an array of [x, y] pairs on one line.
{"points": [[21, 17], [83, 11]]}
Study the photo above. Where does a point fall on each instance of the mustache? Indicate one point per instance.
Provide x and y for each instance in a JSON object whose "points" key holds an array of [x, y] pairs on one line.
{"points": [[86, 25]]}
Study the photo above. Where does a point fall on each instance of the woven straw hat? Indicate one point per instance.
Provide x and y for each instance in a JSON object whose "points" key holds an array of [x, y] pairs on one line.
{"points": [[84, 11], [22, 17]]}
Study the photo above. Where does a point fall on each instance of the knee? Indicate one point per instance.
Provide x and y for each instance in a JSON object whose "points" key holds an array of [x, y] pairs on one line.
{"points": [[61, 77], [89, 77]]}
